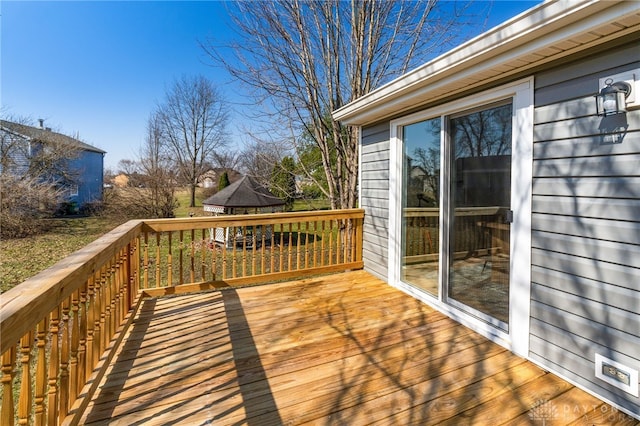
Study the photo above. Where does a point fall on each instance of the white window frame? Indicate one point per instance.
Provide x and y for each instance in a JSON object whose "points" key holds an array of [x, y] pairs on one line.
{"points": [[521, 93], [73, 190]]}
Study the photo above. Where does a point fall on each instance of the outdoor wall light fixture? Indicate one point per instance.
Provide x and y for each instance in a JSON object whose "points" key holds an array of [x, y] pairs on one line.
{"points": [[612, 98]]}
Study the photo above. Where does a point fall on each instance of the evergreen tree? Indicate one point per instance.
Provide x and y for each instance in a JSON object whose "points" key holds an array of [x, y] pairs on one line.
{"points": [[224, 181]]}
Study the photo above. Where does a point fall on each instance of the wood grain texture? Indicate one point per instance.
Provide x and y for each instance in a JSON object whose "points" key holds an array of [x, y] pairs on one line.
{"points": [[338, 349]]}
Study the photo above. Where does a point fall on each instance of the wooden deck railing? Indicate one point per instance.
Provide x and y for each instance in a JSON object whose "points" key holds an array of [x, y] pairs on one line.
{"points": [[58, 329], [422, 228]]}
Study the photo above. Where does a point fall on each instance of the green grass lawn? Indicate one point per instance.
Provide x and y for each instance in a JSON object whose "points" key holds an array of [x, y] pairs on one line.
{"points": [[21, 258]]}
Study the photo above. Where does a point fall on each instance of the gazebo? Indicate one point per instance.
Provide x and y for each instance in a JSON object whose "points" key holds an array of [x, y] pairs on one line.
{"points": [[244, 196]]}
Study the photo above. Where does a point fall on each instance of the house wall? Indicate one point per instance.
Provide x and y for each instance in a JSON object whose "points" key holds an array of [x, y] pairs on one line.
{"points": [[89, 166], [374, 197], [585, 298], [585, 227]]}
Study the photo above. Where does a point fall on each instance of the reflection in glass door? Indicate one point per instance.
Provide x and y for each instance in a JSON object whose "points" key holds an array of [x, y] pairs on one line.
{"points": [[421, 205], [480, 199]]}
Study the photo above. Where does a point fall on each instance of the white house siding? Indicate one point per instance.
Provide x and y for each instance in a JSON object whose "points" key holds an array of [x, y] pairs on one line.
{"points": [[374, 197], [585, 227]]}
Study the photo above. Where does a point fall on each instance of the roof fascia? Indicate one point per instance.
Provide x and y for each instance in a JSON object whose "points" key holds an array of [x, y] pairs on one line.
{"points": [[532, 30], [13, 132]]}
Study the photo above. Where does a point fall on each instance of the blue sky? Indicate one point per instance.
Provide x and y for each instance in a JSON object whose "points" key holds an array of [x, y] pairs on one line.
{"points": [[97, 69]]}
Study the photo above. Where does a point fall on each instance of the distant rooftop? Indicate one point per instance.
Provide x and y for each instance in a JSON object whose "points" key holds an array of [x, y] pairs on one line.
{"points": [[45, 134]]}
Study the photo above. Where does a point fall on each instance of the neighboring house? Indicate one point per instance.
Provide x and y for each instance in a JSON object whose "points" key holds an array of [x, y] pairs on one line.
{"points": [[85, 167], [536, 235], [211, 178]]}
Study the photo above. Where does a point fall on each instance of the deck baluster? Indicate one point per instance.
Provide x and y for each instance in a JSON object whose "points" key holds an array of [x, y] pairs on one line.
{"points": [[82, 346], [169, 282], [117, 283], [224, 259], [192, 271], [127, 281], [8, 372], [54, 367], [322, 246], [290, 247], [281, 248], [263, 250], [64, 361], [331, 242], [73, 353], [97, 314], [41, 372], [298, 242], [90, 325], [103, 308], [203, 257], [214, 260], [113, 298], [339, 240], [158, 261], [106, 307], [254, 249], [24, 404], [234, 254], [180, 257], [244, 251]]}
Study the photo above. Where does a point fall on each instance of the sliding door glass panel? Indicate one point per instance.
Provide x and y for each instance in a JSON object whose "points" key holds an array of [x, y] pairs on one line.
{"points": [[420, 234], [480, 198]]}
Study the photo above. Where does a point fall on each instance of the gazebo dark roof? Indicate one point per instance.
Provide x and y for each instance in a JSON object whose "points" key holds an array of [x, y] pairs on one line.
{"points": [[245, 192]]}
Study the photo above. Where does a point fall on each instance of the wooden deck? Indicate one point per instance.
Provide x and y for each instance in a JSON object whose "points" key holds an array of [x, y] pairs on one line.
{"points": [[340, 349]]}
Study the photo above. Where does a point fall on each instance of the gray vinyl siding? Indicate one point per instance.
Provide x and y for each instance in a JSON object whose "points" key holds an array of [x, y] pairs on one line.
{"points": [[585, 277], [374, 197]]}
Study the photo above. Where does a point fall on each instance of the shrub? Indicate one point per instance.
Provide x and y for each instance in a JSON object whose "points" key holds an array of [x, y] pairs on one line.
{"points": [[25, 204]]}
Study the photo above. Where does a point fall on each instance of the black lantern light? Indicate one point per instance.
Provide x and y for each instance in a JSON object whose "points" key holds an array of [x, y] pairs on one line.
{"points": [[611, 99]]}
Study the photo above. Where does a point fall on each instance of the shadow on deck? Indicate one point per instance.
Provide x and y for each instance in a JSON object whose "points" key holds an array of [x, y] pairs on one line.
{"points": [[339, 349]]}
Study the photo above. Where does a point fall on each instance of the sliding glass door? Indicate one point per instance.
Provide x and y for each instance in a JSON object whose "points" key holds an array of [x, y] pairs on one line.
{"points": [[460, 209], [480, 222], [476, 222], [420, 246]]}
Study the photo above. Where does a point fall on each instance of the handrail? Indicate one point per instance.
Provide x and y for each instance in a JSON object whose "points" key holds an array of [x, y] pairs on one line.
{"points": [[59, 328], [40, 294]]}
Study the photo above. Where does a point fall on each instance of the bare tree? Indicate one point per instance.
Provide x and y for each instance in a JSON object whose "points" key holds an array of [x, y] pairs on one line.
{"points": [[193, 120], [127, 166], [35, 175], [305, 59], [227, 159], [258, 160], [156, 167]]}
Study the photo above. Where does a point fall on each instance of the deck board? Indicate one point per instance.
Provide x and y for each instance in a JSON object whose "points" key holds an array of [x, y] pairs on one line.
{"points": [[340, 349]]}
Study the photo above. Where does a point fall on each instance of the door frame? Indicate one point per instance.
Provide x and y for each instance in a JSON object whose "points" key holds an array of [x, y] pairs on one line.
{"points": [[521, 93]]}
